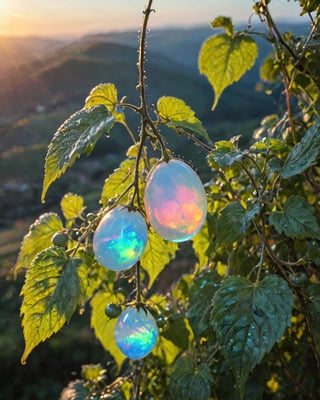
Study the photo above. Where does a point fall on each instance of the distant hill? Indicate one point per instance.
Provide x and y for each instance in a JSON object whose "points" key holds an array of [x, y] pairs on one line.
{"points": [[60, 75]]}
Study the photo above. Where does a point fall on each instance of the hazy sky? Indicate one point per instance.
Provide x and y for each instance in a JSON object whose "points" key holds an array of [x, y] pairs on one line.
{"points": [[60, 17]]}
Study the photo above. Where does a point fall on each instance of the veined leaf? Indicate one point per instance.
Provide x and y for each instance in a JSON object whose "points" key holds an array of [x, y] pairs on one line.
{"points": [[225, 58], [178, 114], [37, 239], [104, 326], [248, 319], [303, 154], [224, 154], [72, 206], [77, 135], [201, 294], [157, 255], [233, 222], [107, 95], [189, 381], [296, 220], [118, 181], [55, 284]]}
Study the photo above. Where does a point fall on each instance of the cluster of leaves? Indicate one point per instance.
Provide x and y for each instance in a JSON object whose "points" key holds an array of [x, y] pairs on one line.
{"points": [[258, 253]]}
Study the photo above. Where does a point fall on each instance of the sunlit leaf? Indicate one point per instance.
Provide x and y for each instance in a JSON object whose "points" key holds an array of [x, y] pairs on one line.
{"points": [[224, 59], [178, 114], [77, 135], [37, 239], [303, 154], [296, 220], [190, 381], [223, 22], [248, 319], [103, 326], [157, 255], [107, 95], [55, 285], [117, 182], [72, 206]]}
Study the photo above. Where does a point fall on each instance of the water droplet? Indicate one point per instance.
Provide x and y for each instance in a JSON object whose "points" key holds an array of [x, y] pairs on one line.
{"points": [[249, 334], [264, 338], [252, 327], [258, 312]]}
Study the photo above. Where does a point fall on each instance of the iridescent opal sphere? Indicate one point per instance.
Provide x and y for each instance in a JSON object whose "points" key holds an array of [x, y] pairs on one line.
{"points": [[175, 201], [120, 239], [136, 332]]}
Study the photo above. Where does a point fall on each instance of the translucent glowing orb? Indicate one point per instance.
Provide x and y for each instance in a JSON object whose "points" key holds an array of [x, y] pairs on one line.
{"points": [[136, 333], [175, 201], [120, 239]]}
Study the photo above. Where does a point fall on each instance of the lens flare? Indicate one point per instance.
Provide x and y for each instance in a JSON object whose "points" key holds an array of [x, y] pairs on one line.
{"points": [[120, 239], [136, 333], [175, 201]]}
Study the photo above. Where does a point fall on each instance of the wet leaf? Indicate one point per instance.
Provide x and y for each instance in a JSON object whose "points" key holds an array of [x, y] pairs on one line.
{"points": [[296, 220], [303, 154], [55, 285], [77, 135], [248, 319], [189, 381]]}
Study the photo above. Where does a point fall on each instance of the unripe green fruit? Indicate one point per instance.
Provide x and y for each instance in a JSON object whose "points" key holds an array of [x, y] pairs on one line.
{"points": [[60, 239], [112, 310], [160, 320]]}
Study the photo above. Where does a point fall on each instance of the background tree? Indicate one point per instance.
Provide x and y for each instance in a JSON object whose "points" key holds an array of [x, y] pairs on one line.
{"points": [[242, 321]]}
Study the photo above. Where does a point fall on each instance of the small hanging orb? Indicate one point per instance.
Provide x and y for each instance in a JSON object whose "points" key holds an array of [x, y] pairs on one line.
{"points": [[120, 239], [136, 332]]}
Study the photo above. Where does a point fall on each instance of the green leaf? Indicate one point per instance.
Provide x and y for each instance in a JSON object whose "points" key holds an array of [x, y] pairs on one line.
{"points": [[78, 134], [37, 239], [189, 381], [179, 332], [201, 293], [103, 326], [72, 206], [224, 154], [166, 349], [224, 59], [303, 154], [118, 181], [248, 319], [233, 222], [223, 22], [179, 115], [106, 94], [157, 255], [270, 70], [55, 285], [297, 219]]}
